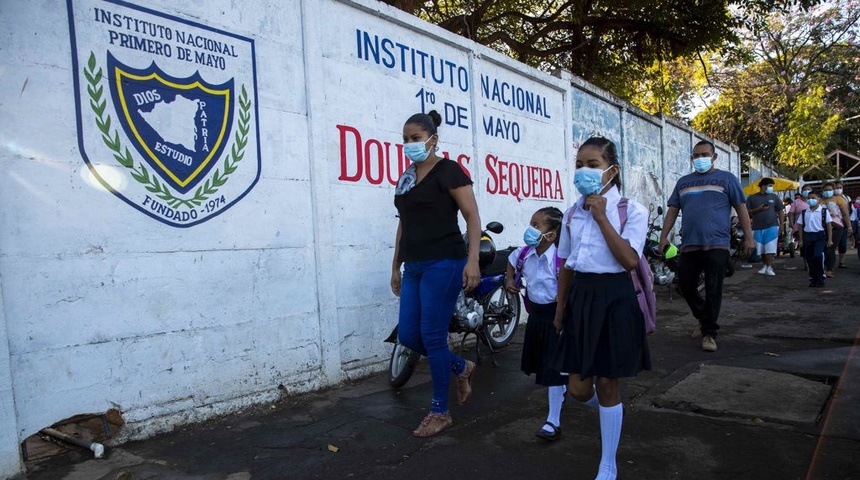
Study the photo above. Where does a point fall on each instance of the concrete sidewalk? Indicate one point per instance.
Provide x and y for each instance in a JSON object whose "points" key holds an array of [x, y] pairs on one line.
{"points": [[778, 400]]}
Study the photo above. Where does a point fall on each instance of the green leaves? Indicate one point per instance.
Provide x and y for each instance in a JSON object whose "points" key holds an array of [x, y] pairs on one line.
{"points": [[794, 68], [810, 125]]}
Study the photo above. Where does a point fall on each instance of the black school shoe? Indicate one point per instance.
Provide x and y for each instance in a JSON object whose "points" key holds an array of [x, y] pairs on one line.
{"points": [[549, 436]]}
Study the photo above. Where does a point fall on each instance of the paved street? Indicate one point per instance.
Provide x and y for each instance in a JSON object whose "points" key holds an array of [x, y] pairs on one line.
{"points": [[776, 401]]}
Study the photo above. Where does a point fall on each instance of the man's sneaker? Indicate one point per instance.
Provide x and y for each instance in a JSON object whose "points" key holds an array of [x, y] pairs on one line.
{"points": [[763, 270], [709, 343], [769, 272], [697, 332]]}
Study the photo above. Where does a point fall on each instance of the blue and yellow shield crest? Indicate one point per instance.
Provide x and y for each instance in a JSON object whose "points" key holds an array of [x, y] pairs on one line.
{"points": [[178, 125]]}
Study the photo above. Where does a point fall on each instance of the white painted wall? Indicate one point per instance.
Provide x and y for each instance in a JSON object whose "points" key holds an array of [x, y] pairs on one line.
{"points": [[103, 306]]}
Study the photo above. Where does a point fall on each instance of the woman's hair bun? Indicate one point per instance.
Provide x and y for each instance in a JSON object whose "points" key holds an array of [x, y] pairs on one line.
{"points": [[437, 119]]}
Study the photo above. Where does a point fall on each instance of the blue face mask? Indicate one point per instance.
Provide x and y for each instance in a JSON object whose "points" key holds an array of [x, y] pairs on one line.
{"points": [[805, 193], [417, 151], [588, 181], [768, 189], [812, 202], [702, 164], [827, 193], [532, 236]]}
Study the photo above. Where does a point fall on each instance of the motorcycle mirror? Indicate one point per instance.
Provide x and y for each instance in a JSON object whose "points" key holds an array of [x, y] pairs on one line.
{"points": [[495, 227], [650, 207], [659, 210]]}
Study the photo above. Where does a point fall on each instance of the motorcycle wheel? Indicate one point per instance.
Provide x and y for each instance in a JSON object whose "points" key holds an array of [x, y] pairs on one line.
{"points": [[500, 332], [402, 365], [792, 249]]}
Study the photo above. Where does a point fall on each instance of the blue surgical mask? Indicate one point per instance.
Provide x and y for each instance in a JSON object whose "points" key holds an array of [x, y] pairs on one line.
{"points": [[589, 181], [702, 164], [805, 193], [532, 236], [417, 151], [768, 189], [812, 202], [827, 193]]}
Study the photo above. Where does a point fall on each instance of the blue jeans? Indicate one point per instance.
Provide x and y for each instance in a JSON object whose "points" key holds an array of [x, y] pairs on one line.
{"points": [[428, 293]]}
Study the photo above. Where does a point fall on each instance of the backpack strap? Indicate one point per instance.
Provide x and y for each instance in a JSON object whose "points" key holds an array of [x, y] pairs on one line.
{"points": [[521, 260], [622, 213]]}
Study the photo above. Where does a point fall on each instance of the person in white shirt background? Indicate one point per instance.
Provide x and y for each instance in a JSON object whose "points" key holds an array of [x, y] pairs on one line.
{"points": [[816, 226], [599, 319]]}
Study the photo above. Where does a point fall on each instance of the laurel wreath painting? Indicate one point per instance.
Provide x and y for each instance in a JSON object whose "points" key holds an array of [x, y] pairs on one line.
{"points": [[150, 182]]}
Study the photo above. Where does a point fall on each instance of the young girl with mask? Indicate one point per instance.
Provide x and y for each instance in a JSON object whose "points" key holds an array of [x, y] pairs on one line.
{"points": [[601, 325], [430, 248], [538, 263]]}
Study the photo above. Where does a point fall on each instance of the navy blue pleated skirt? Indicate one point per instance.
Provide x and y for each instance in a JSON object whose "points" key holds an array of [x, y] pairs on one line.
{"points": [[540, 344], [604, 329]]}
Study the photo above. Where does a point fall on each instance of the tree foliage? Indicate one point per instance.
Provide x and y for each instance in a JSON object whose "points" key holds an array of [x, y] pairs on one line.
{"points": [[769, 84], [809, 127], [632, 48]]}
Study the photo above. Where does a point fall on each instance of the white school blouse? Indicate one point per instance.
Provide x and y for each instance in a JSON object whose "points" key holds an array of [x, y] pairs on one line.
{"points": [[539, 272], [582, 243], [814, 217]]}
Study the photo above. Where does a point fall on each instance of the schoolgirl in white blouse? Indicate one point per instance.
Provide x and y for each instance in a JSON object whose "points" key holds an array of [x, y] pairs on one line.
{"points": [[602, 328]]}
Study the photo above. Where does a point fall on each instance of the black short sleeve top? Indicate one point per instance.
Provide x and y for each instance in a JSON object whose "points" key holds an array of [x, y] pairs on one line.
{"points": [[428, 215]]}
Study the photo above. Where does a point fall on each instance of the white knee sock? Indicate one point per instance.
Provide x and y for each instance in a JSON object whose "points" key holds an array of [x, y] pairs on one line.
{"points": [[555, 395], [610, 433]]}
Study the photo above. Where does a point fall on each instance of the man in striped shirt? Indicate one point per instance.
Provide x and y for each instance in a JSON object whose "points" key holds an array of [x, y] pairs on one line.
{"points": [[706, 198]]}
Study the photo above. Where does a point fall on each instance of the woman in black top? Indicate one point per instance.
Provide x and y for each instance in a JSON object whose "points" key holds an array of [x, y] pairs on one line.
{"points": [[431, 249]]}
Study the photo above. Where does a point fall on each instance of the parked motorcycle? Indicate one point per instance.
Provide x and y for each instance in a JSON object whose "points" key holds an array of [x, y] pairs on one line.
{"points": [[489, 312], [664, 264]]}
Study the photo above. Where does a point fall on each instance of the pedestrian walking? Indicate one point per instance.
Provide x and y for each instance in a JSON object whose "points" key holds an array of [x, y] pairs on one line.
{"points": [[817, 226], [768, 215], [797, 208], [538, 264], [601, 325], [430, 248], [706, 197], [838, 208], [799, 204], [848, 231], [855, 223]]}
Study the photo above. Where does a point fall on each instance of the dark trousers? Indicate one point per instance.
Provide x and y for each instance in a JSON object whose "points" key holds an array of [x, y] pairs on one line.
{"points": [[713, 263], [842, 241], [830, 252], [813, 252]]}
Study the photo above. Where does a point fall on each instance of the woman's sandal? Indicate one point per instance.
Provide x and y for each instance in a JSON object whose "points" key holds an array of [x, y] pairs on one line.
{"points": [[464, 382], [549, 436], [432, 424]]}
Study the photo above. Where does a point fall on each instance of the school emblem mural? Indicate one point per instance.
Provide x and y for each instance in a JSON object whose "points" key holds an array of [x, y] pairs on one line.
{"points": [[167, 110]]}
